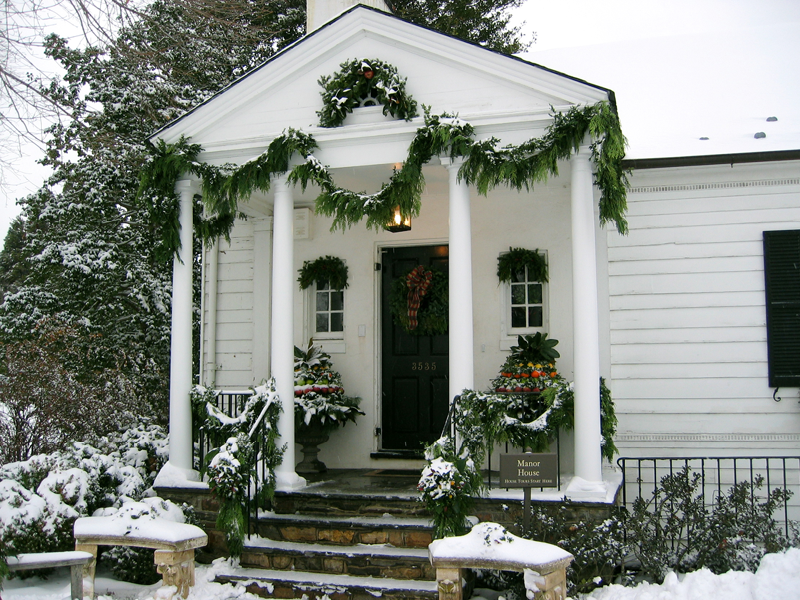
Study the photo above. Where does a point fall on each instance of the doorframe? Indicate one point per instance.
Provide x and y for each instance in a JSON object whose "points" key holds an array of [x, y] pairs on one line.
{"points": [[377, 315]]}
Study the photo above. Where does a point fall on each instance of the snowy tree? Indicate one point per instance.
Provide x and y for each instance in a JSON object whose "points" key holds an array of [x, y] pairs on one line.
{"points": [[87, 252]]}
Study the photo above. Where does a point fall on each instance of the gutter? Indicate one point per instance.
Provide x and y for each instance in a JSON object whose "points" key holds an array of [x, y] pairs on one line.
{"points": [[710, 159]]}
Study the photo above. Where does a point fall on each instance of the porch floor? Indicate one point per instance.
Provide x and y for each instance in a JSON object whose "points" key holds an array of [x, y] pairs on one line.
{"points": [[403, 484]]}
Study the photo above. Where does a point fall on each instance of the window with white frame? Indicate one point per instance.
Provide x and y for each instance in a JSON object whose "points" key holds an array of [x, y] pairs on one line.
{"points": [[526, 309], [328, 312]]}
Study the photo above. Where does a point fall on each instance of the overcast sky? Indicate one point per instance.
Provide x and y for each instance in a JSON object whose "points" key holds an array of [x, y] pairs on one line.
{"points": [[681, 70]]}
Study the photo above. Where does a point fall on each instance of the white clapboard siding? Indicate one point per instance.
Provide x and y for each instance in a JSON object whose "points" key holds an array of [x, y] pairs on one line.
{"points": [[234, 347], [688, 321]]}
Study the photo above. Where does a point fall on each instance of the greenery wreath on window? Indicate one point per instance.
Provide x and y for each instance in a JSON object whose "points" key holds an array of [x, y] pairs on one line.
{"points": [[364, 82], [326, 269], [516, 259], [418, 301]]}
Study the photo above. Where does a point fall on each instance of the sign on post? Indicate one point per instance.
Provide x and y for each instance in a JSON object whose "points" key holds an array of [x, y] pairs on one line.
{"points": [[529, 470]]}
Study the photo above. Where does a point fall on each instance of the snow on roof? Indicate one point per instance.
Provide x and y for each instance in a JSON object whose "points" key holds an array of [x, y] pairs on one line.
{"points": [[674, 91]]}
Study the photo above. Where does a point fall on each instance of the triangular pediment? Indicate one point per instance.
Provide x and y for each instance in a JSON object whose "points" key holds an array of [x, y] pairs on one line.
{"points": [[503, 94]]}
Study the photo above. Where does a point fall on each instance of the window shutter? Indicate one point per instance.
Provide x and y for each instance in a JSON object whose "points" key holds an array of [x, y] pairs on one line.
{"points": [[782, 283]]}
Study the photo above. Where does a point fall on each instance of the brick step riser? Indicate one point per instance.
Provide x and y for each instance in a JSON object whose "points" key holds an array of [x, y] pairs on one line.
{"points": [[347, 506], [281, 589], [399, 537], [392, 567]]}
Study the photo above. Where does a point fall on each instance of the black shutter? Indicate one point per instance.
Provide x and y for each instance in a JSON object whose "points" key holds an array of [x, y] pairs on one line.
{"points": [[782, 282]]}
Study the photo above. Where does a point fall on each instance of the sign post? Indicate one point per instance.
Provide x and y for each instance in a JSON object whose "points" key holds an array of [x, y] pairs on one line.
{"points": [[526, 471]]}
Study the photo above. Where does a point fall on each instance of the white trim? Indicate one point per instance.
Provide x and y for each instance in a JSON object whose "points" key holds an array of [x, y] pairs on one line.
{"points": [[648, 189], [706, 437]]}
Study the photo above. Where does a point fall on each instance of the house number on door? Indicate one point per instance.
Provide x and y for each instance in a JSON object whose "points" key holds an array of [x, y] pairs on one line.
{"points": [[423, 366]]}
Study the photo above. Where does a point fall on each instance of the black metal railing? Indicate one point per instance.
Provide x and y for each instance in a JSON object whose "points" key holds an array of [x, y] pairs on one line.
{"points": [[641, 477], [232, 404]]}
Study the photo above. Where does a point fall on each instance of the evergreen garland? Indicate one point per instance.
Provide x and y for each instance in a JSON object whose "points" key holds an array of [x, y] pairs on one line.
{"points": [[325, 269], [359, 79], [486, 166], [433, 310], [516, 260]]}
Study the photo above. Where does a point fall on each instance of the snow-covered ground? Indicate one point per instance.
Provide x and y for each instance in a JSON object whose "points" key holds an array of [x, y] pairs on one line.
{"points": [[778, 578]]}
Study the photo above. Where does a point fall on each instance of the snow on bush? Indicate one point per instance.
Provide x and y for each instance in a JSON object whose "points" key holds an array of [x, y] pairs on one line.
{"points": [[40, 498]]}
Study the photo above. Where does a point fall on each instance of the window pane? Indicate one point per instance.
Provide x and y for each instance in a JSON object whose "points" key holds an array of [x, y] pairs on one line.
{"points": [[517, 294], [534, 316], [322, 300], [534, 293], [337, 300], [322, 286], [518, 317], [519, 275], [322, 322], [337, 321]]}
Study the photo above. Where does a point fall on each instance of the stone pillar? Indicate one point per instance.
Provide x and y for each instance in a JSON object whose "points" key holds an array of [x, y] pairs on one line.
{"points": [[180, 368], [460, 326], [282, 347], [588, 459]]}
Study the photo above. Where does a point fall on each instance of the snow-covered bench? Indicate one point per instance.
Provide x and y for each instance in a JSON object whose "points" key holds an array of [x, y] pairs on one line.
{"points": [[174, 545], [50, 560], [490, 546]]}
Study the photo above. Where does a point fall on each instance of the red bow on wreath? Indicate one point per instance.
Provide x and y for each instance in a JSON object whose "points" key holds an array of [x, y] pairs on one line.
{"points": [[418, 283]]}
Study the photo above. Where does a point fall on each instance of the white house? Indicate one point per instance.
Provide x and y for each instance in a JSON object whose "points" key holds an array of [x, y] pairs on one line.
{"points": [[672, 314]]}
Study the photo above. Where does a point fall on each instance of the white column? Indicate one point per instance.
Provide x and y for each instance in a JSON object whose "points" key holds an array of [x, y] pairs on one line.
{"points": [[460, 325], [282, 348], [588, 460], [180, 367]]}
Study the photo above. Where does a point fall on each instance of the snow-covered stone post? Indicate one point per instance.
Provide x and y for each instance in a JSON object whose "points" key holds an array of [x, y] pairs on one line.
{"points": [[460, 324], [588, 459], [180, 367], [282, 349]]}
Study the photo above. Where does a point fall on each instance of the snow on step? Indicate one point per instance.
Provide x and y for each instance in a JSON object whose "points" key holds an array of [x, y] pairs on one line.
{"points": [[386, 520], [260, 543], [302, 580]]}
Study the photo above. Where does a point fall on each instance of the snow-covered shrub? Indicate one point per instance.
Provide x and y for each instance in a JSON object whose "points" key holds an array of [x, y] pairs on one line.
{"points": [[40, 498], [675, 530], [447, 486], [598, 545]]}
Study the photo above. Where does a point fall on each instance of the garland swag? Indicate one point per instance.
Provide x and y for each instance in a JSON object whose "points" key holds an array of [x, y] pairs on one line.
{"points": [[325, 269], [431, 312], [516, 260], [486, 165], [361, 79]]}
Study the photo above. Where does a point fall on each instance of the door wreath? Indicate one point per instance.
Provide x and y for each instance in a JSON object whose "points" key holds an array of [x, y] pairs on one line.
{"points": [[419, 301]]}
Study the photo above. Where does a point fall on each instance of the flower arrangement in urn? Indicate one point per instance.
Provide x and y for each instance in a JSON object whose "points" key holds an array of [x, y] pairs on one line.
{"points": [[531, 366], [320, 403]]}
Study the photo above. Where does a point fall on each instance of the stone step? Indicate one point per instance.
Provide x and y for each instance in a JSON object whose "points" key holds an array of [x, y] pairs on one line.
{"points": [[346, 531], [321, 586], [341, 505], [377, 560]]}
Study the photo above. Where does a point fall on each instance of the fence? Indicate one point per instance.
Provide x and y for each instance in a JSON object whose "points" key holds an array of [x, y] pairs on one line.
{"points": [[718, 474]]}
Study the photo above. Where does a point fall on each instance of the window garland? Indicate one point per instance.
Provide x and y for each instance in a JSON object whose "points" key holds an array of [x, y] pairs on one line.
{"points": [[357, 80], [486, 165], [325, 269], [516, 260]]}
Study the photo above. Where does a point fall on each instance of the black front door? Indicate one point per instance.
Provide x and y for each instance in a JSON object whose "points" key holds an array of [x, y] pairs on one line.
{"points": [[414, 367]]}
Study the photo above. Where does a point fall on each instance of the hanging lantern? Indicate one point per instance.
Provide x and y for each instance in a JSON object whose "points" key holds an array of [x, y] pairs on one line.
{"points": [[399, 222]]}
